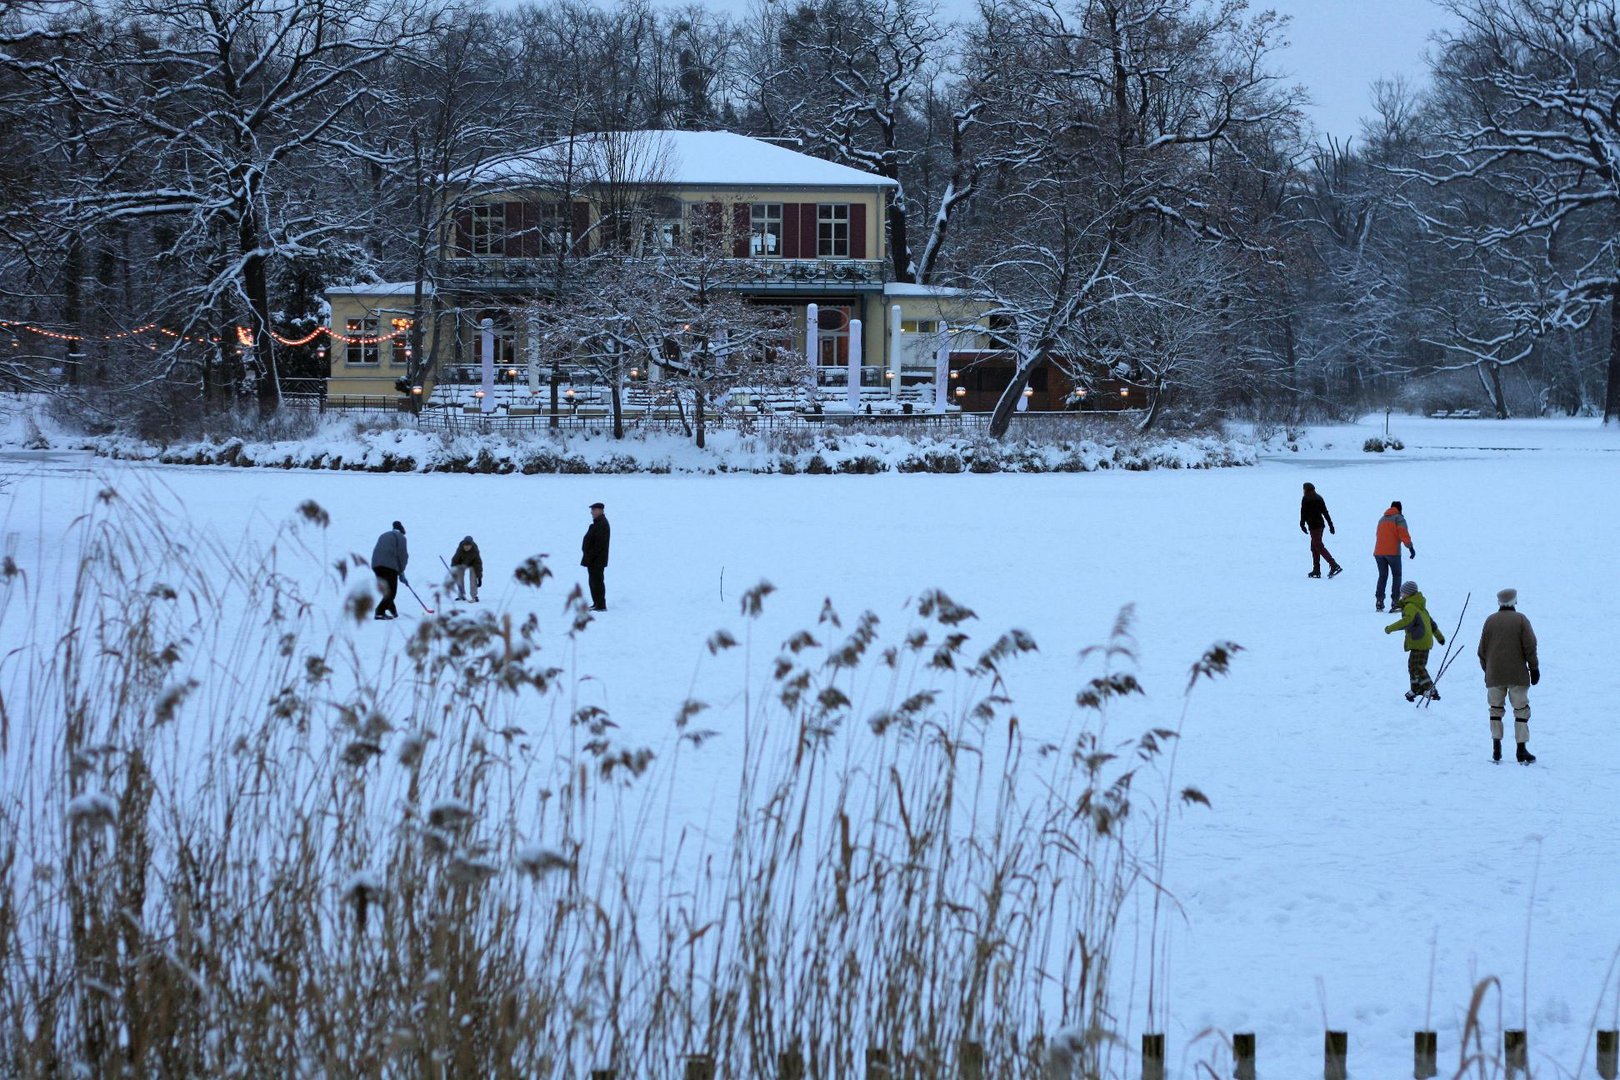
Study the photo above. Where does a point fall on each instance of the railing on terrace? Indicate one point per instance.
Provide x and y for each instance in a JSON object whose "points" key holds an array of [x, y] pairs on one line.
{"points": [[473, 270]]}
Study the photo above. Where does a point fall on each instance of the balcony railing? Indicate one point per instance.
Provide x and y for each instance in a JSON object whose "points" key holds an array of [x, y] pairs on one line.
{"points": [[772, 273]]}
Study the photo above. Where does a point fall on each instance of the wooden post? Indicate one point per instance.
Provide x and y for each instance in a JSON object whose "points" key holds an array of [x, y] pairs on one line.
{"points": [[790, 1065], [970, 1065], [1243, 1055], [700, 1067], [1425, 1054], [1152, 1057], [1335, 1056], [1608, 1054], [877, 1064], [1516, 1049]]}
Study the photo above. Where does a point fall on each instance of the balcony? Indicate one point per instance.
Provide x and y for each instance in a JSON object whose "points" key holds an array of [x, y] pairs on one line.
{"points": [[785, 276]]}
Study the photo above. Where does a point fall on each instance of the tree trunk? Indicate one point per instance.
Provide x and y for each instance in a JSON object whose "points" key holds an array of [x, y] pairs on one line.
{"points": [[697, 415], [1155, 403], [1611, 391], [618, 407], [1007, 404], [1490, 377], [72, 306], [256, 284]]}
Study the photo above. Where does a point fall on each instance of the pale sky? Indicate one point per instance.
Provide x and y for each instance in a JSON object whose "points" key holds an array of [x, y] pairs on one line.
{"points": [[1338, 47]]}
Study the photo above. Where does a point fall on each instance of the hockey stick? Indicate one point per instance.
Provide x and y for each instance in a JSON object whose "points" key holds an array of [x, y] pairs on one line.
{"points": [[419, 600], [1452, 651]]}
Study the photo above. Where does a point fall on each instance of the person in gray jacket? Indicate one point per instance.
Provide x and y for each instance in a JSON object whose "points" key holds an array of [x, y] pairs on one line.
{"points": [[388, 561], [1507, 655]]}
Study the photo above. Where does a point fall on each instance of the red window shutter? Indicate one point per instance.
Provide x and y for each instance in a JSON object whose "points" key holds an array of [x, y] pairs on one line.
{"points": [[461, 245], [529, 239], [808, 246], [512, 241], [857, 230], [742, 223], [790, 230], [582, 223]]}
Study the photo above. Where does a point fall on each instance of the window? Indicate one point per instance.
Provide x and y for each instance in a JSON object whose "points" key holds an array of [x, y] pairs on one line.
{"points": [[554, 226], [832, 231], [832, 344], [489, 229], [765, 234], [919, 326], [360, 346]]}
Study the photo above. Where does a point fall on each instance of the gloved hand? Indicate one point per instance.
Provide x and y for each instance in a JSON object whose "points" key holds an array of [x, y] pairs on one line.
{"points": [[1535, 675], [1332, 531], [1411, 552], [1302, 528]]}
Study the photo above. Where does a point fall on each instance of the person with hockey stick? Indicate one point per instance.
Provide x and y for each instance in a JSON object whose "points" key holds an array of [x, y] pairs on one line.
{"points": [[388, 561], [1387, 551], [1421, 635], [1313, 514], [1507, 655], [467, 569]]}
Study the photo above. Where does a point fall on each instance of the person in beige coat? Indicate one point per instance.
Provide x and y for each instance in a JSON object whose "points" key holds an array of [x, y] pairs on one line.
{"points": [[1507, 655]]}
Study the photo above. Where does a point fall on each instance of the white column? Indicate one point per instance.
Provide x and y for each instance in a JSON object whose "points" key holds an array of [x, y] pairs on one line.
{"points": [[895, 364], [486, 330], [942, 369], [812, 344], [534, 353], [856, 345]]}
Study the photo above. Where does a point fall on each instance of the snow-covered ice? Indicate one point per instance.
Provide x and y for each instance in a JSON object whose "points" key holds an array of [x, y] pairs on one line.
{"points": [[1351, 836]]}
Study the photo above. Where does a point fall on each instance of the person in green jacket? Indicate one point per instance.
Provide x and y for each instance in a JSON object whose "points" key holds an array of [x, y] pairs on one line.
{"points": [[1421, 635]]}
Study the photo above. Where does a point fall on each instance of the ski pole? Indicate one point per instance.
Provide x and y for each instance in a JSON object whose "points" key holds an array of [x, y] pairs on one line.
{"points": [[419, 600], [1452, 651]]}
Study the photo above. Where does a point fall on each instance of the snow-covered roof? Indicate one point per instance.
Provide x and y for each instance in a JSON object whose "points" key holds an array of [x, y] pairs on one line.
{"points": [[674, 158], [383, 288]]}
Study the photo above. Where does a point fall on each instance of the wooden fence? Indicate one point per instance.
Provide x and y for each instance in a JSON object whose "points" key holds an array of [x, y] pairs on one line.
{"points": [[1335, 1059]]}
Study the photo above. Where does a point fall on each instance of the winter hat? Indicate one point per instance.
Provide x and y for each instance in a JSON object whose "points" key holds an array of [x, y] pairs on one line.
{"points": [[1507, 597], [1409, 588], [399, 528]]}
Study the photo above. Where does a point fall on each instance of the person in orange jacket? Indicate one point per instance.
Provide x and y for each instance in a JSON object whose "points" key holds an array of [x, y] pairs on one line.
{"points": [[1387, 551]]}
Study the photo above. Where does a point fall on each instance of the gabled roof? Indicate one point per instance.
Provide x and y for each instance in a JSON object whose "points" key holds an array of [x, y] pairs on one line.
{"points": [[674, 158]]}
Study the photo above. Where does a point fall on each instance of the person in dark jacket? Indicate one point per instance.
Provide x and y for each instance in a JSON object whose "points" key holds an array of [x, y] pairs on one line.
{"points": [[467, 569], [594, 555], [1507, 655], [1313, 515], [1420, 637], [388, 561]]}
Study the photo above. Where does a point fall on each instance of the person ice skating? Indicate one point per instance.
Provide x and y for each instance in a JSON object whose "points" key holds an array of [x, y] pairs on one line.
{"points": [[388, 560], [594, 555], [1421, 635], [1313, 514], [1507, 655], [1387, 550], [467, 569]]}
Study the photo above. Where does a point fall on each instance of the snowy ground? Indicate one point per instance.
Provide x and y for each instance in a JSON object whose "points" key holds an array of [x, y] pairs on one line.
{"points": [[1351, 835]]}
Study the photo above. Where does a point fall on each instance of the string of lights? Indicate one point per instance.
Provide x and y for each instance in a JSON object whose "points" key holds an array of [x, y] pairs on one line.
{"points": [[244, 335]]}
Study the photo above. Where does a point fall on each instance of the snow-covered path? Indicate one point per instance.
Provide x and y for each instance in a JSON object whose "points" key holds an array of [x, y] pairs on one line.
{"points": [[1350, 833]]}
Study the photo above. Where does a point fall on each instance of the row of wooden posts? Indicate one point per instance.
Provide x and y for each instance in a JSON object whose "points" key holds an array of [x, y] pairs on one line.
{"points": [[1335, 1059]]}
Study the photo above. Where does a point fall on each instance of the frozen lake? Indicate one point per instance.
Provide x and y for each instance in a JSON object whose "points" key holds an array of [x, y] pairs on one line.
{"points": [[1353, 840]]}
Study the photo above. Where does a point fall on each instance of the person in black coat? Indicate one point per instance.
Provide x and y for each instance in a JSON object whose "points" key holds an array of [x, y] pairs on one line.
{"points": [[1313, 515], [388, 561], [594, 555]]}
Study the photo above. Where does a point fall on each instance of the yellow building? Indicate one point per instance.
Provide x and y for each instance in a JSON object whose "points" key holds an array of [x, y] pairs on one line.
{"points": [[797, 232]]}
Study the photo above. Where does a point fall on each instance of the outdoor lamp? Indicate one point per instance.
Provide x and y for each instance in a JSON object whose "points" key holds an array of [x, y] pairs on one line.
{"points": [[1029, 391], [569, 393], [478, 394], [1125, 392], [416, 390], [961, 391], [888, 374]]}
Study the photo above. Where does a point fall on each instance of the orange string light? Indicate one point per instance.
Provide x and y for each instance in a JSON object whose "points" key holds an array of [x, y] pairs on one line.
{"points": [[244, 335]]}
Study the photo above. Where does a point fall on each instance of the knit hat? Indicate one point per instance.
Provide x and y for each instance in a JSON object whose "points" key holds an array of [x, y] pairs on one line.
{"points": [[1409, 588], [399, 528], [1507, 597]]}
